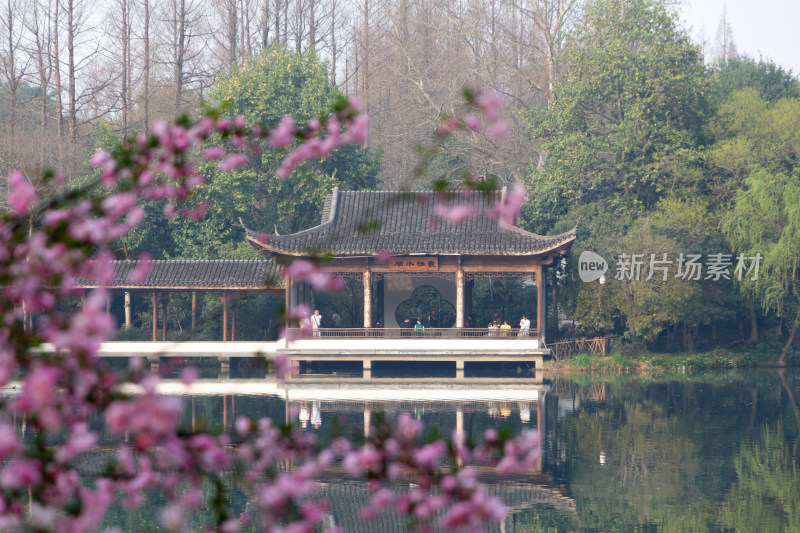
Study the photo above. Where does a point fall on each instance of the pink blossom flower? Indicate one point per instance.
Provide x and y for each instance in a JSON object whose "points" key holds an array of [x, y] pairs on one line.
{"points": [[283, 135], [472, 122], [357, 131], [80, 440], [455, 213], [20, 474], [22, 195], [234, 161], [100, 158], [491, 103], [173, 517], [188, 375], [39, 389], [354, 103], [214, 153], [508, 208], [284, 366], [141, 270], [499, 130]]}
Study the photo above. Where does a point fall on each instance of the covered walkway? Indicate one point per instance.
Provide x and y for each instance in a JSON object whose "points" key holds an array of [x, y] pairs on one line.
{"points": [[230, 280]]}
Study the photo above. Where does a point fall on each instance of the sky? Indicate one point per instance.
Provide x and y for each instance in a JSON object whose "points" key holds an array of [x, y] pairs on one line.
{"points": [[767, 28]]}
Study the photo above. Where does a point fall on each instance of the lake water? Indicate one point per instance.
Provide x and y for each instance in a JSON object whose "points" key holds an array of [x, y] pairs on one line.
{"points": [[710, 452]]}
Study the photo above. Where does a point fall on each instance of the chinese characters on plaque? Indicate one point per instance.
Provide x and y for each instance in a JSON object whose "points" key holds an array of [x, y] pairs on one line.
{"points": [[414, 264]]}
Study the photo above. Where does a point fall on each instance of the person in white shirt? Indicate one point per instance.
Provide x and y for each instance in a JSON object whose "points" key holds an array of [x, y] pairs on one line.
{"points": [[524, 326], [316, 322]]}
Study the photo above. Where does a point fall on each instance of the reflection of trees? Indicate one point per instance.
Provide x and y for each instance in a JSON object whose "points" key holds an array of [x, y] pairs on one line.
{"points": [[545, 518], [670, 453], [766, 495], [634, 465]]}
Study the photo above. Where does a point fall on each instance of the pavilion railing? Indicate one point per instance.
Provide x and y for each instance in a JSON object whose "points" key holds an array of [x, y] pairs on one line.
{"points": [[413, 333]]}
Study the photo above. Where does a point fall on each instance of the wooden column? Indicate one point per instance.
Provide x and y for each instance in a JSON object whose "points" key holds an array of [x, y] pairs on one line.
{"points": [[367, 298], [155, 316], [541, 319], [380, 286], [194, 309], [468, 286], [127, 309], [233, 318], [460, 298], [224, 299], [164, 302], [286, 304]]}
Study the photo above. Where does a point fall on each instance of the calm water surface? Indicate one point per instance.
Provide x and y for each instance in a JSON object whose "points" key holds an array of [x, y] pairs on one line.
{"points": [[711, 452]]}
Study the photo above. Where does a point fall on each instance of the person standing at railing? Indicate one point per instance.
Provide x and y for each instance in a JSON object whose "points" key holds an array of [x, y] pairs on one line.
{"points": [[433, 320], [316, 322], [418, 327], [524, 326], [505, 329]]}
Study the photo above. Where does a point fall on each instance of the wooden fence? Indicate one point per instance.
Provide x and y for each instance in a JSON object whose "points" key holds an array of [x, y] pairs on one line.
{"points": [[565, 349]]}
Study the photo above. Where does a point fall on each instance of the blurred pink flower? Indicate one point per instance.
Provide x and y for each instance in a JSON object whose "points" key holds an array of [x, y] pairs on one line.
{"points": [[22, 195], [234, 161], [214, 153]]}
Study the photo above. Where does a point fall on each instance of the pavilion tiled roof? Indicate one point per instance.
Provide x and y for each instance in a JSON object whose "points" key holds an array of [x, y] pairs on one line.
{"points": [[366, 223], [199, 274]]}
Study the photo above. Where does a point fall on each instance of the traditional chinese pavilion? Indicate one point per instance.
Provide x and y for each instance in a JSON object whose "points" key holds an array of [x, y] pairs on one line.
{"points": [[395, 242]]}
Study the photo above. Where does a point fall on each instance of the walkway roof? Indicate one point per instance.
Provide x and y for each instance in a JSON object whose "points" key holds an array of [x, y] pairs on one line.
{"points": [[215, 274]]}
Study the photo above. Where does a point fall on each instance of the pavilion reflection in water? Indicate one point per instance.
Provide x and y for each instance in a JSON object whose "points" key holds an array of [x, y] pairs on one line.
{"points": [[465, 405]]}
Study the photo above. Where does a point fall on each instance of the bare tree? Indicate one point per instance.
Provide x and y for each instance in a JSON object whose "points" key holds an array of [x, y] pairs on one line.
{"points": [[146, 65], [13, 62], [724, 47], [183, 20], [121, 14], [40, 23]]}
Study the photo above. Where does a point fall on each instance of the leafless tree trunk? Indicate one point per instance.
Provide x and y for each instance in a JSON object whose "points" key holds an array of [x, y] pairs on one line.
{"points": [[14, 66], [72, 116], [278, 5], [299, 25], [178, 49], [146, 66], [232, 32], [57, 71], [124, 7], [265, 23], [40, 27]]}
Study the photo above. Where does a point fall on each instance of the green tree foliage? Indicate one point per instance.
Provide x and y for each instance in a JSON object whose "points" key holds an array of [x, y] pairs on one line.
{"points": [[628, 114], [765, 219], [643, 309], [771, 81], [263, 90], [752, 133]]}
